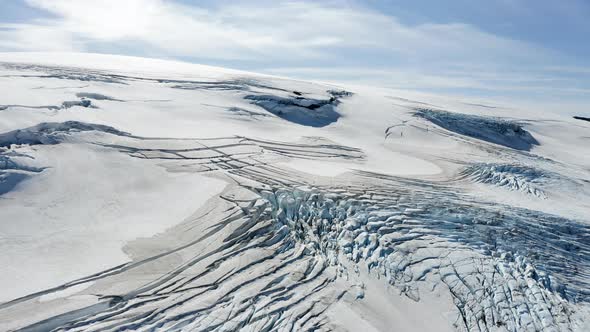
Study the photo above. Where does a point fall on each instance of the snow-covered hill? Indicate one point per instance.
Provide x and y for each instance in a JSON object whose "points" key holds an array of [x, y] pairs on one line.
{"points": [[149, 195]]}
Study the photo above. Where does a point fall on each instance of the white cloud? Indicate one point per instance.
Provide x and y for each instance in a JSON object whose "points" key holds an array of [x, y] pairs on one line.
{"points": [[283, 30], [36, 37]]}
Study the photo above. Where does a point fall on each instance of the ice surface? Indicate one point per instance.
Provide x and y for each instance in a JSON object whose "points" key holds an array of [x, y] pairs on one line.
{"points": [[195, 198], [513, 177], [95, 96], [300, 110], [12, 171], [490, 129], [51, 133]]}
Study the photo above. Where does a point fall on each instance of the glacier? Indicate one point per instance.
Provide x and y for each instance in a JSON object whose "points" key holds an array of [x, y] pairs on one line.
{"points": [[165, 196]]}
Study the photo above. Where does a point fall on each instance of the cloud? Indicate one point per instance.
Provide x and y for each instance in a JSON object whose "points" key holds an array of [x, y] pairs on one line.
{"points": [[36, 37], [289, 31]]}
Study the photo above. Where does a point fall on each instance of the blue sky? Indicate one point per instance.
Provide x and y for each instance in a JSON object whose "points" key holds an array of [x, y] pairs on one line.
{"points": [[525, 49]]}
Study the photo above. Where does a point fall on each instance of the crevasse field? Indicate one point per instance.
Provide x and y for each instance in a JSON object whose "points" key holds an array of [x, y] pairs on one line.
{"points": [[145, 195]]}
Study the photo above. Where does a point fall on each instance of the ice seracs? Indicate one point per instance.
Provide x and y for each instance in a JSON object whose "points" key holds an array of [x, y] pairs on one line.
{"points": [[513, 177]]}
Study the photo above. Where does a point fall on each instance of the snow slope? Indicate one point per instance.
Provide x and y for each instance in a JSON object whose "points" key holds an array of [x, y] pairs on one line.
{"points": [[140, 194]]}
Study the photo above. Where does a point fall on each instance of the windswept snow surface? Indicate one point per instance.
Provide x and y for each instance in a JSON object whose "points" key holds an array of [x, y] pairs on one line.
{"points": [[148, 195]]}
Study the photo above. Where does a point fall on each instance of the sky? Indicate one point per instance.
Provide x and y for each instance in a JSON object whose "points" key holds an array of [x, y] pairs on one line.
{"points": [[537, 50]]}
